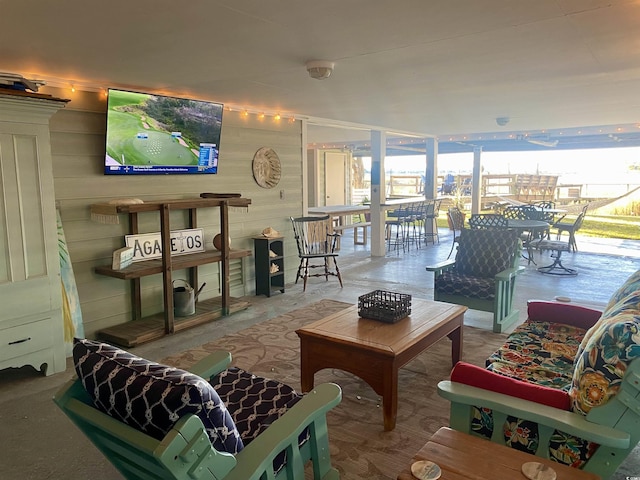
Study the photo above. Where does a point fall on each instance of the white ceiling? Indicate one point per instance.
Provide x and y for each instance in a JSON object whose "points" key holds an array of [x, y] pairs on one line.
{"points": [[430, 66]]}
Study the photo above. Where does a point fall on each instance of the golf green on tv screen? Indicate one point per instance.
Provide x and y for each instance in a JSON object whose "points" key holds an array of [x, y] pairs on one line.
{"points": [[159, 135]]}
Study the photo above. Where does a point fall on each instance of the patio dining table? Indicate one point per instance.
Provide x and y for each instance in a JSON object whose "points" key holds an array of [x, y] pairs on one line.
{"points": [[339, 211], [342, 218], [533, 227]]}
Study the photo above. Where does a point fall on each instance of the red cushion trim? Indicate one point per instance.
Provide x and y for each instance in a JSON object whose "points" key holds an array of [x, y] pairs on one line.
{"points": [[575, 315], [479, 377]]}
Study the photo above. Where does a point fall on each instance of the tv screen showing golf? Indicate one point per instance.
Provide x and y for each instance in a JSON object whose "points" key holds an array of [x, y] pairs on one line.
{"points": [[157, 134]]}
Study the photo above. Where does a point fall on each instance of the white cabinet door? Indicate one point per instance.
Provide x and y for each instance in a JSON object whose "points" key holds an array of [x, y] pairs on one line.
{"points": [[30, 286]]}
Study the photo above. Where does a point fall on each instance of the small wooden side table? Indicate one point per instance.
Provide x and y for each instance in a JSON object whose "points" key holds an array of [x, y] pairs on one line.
{"points": [[463, 456]]}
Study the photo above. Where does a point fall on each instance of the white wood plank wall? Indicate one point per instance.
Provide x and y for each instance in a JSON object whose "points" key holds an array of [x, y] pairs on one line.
{"points": [[78, 147]]}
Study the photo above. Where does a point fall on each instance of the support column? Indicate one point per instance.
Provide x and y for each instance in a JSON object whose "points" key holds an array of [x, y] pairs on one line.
{"points": [[431, 171], [305, 169], [476, 181], [378, 193]]}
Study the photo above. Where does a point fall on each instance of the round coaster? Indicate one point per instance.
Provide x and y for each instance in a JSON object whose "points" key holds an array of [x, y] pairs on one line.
{"points": [[425, 470], [538, 471], [563, 299]]}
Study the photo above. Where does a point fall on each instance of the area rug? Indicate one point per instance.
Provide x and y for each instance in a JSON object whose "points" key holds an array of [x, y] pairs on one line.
{"points": [[360, 448]]}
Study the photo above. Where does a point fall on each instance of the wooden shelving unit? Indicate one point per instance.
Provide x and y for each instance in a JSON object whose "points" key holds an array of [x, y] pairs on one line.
{"points": [[140, 330], [267, 281]]}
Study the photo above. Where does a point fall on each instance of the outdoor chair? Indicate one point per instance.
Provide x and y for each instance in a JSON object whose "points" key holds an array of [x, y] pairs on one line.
{"points": [[157, 422], [523, 212], [431, 212], [487, 221], [571, 228], [317, 247], [456, 222], [396, 228], [483, 274], [412, 224], [543, 213], [565, 385], [520, 212]]}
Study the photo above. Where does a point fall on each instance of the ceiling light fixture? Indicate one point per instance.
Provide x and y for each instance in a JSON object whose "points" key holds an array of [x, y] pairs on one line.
{"points": [[502, 121], [320, 69]]}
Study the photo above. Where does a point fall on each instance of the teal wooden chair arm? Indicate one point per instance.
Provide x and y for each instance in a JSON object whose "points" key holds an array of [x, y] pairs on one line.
{"points": [[186, 453], [283, 434], [212, 364], [440, 267], [464, 397], [509, 274]]}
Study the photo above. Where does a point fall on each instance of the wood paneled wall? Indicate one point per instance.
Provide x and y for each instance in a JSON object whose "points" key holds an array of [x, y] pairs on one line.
{"points": [[78, 148]]}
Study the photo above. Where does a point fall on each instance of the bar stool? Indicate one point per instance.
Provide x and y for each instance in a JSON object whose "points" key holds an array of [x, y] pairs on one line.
{"points": [[431, 212]]}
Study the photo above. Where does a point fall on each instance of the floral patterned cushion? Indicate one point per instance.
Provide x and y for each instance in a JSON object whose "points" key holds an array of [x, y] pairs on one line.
{"points": [[524, 435], [540, 353], [625, 298], [599, 368], [151, 397]]}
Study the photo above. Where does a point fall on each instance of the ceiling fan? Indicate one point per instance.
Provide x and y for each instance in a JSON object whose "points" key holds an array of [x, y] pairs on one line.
{"points": [[543, 141]]}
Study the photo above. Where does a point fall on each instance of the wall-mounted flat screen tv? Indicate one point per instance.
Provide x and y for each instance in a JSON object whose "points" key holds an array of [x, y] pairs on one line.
{"points": [[156, 134]]}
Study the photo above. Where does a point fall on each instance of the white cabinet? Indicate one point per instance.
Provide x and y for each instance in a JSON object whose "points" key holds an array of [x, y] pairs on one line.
{"points": [[31, 325]]}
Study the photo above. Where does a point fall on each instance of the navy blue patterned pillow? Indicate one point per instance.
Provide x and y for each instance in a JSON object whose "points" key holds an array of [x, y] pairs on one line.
{"points": [[254, 402], [151, 397]]}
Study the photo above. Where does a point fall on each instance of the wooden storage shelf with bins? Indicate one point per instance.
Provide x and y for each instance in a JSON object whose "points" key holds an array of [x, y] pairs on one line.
{"points": [[140, 330]]}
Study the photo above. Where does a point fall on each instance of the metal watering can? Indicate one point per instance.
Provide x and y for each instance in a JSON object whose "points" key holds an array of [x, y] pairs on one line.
{"points": [[184, 298]]}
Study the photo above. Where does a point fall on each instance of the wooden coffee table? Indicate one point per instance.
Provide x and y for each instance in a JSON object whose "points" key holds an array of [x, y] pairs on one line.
{"points": [[462, 456], [375, 350]]}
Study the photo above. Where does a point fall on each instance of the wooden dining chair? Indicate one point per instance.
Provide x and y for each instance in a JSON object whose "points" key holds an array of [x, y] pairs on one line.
{"points": [[456, 222], [317, 247]]}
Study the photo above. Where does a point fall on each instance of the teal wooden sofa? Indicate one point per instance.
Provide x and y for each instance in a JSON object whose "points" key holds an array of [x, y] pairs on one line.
{"points": [[294, 439], [483, 274], [565, 385]]}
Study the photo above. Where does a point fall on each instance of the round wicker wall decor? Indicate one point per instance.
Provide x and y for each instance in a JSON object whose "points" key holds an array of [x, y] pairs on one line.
{"points": [[266, 167]]}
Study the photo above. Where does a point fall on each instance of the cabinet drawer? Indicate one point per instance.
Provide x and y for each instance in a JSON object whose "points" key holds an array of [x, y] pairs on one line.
{"points": [[24, 339]]}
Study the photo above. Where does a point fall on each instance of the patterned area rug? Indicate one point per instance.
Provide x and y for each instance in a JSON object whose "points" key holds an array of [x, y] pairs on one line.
{"points": [[360, 448]]}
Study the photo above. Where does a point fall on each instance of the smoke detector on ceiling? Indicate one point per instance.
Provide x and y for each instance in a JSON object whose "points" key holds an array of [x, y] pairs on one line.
{"points": [[320, 69]]}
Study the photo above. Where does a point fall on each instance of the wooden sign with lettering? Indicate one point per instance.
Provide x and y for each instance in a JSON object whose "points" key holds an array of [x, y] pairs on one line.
{"points": [[149, 245]]}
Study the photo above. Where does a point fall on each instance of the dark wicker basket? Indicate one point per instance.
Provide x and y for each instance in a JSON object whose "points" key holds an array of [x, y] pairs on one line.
{"points": [[385, 306]]}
